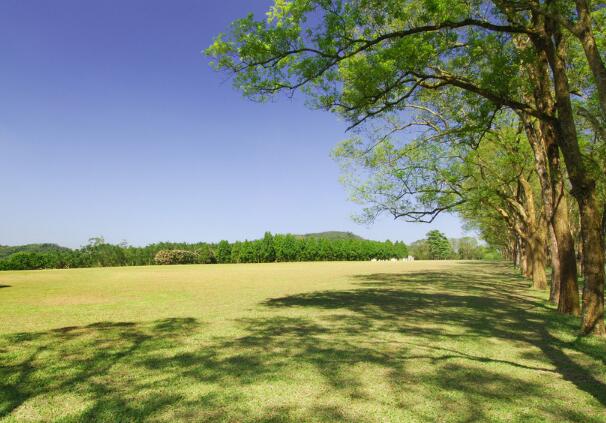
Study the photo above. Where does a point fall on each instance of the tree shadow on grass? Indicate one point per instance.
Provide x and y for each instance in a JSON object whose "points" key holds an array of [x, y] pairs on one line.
{"points": [[77, 358], [401, 346], [4, 286], [126, 371], [500, 307]]}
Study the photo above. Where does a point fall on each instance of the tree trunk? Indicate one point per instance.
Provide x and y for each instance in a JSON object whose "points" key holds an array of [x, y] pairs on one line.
{"points": [[524, 260], [515, 253], [584, 191], [580, 253], [535, 226], [567, 289], [556, 274], [568, 297], [528, 260], [538, 260], [535, 136], [593, 263], [584, 32], [564, 289]]}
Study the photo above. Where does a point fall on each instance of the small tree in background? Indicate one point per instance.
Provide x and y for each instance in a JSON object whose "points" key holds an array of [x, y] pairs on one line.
{"points": [[206, 255], [223, 252], [467, 248], [439, 246], [268, 252], [235, 252]]}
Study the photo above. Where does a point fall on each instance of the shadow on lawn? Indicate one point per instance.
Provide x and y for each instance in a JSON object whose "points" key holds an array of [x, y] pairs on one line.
{"points": [[390, 322], [499, 309]]}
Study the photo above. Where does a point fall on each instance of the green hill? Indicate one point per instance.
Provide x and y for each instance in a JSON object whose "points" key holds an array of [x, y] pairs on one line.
{"points": [[331, 235], [7, 250]]}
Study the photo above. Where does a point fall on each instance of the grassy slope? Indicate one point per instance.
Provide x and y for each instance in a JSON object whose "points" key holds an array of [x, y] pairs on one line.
{"points": [[292, 342]]}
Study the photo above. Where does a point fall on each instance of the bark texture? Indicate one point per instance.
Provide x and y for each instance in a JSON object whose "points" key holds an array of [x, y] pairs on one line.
{"points": [[542, 136], [583, 189]]}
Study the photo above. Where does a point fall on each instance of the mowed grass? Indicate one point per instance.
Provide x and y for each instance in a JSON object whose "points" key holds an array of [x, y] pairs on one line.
{"points": [[300, 342]]}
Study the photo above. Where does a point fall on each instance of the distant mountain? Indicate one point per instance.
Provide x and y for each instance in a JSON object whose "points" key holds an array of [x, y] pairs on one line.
{"points": [[331, 235], [7, 250]]}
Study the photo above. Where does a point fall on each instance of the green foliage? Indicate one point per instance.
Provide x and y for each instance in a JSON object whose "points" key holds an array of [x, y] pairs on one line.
{"points": [[271, 248], [98, 253], [223, 252], [429, 79], [331, 235], [206, 255], [250, 252], [466, 248], [363, 59], [235, 252], [419, 250], [286, 247], [438, 245], [164, 257], [25, 260], [268, 252], [6, 250], [418, 179]]}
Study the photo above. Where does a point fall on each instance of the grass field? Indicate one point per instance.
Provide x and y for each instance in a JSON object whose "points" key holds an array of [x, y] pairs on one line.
{"points": [[301, 342]]}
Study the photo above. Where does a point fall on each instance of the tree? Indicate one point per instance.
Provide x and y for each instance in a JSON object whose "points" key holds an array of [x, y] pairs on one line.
{"points": [[224, 252], [466, 248], [268, 252], [367, 59], [249, 253], [206, 255], [416, 180], [439, 247], [235, 252], [420, 250], [286, 248]]}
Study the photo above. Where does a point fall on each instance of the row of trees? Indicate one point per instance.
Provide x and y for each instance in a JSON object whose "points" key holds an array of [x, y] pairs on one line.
{"points": [[437, 247], [270, 248], [491, 109]]}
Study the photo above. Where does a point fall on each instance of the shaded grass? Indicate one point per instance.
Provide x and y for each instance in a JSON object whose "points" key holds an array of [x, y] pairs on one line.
{"points": [[353, 342]]}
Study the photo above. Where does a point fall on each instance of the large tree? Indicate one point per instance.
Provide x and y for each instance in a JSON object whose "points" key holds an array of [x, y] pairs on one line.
{"points": [[365, 58], [417, 179]]}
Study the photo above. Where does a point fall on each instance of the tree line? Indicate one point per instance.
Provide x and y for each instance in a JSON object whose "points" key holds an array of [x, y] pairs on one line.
{"points": [[435, 246], [491, 109], [270, 248]]}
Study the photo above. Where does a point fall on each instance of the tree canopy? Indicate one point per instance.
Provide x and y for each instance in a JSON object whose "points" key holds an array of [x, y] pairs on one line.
{"points": [[444, 77]]}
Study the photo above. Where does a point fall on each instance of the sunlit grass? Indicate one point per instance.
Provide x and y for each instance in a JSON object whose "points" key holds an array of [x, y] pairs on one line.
{"points": [[363, 342]]}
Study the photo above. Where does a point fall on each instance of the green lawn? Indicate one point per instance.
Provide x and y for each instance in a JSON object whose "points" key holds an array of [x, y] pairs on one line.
{"points": [[301, 342]]}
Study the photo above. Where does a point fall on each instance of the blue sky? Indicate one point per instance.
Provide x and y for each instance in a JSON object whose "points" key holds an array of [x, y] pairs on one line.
{"points": [[113, 124]]}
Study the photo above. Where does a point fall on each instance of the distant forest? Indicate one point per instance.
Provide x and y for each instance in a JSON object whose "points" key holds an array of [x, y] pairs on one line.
{"points": [[324, 246]]}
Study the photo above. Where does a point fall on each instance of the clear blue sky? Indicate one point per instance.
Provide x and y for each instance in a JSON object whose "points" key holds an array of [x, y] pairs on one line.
{"points": [[113, 124]]}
